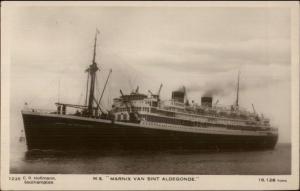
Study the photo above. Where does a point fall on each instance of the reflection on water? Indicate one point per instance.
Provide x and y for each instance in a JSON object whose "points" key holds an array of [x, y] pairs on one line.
{"points": [[277, 161]]}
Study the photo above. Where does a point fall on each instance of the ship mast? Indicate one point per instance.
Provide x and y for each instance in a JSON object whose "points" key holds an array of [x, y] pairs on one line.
{"points": [[93, 68], [237, 91]]}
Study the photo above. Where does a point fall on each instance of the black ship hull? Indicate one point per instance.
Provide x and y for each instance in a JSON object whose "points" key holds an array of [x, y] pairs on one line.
{"points": [[58, 132]]}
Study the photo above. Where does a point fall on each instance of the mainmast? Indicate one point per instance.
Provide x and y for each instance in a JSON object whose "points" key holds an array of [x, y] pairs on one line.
{"points": [[93, 68], [237, 91]]}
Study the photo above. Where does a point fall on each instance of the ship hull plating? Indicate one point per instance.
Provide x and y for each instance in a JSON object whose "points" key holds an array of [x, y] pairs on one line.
{"points": [[55, 132]]}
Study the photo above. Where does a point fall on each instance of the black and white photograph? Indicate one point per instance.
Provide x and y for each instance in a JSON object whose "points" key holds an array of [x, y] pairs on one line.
{"points": [[154, 94]]}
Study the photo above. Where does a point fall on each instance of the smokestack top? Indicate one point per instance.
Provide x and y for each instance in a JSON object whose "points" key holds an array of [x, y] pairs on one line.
{"points": [[181, 89], [206, 101], [179, 94]]}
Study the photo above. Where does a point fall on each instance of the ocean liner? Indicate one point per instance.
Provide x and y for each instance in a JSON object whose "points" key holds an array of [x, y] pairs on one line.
{"points": [[144, 121]]}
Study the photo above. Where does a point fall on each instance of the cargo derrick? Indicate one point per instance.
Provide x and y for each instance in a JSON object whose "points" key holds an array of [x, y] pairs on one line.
{"points": [[88, 110]]}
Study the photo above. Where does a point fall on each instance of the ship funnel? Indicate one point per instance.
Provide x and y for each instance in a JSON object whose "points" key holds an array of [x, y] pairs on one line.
{"points": [[206, 101], [179, 95]]}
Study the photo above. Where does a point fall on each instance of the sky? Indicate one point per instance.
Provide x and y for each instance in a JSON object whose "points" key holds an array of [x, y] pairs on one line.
{"points": [[201, 48]]}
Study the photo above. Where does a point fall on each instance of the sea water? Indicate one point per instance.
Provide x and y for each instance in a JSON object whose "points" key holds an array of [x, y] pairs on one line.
{"points": [[264, 162]]}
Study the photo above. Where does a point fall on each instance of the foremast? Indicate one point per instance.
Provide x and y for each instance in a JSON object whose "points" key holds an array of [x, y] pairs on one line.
{"points": [[92, 71]]}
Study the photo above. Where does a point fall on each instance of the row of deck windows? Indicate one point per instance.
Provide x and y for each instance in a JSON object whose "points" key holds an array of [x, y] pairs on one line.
{"points": [[194, 123], [202, 120], [146, 109]]}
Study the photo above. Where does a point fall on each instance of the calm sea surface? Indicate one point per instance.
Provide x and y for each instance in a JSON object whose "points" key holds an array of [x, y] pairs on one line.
{"points": [[277, 161]]}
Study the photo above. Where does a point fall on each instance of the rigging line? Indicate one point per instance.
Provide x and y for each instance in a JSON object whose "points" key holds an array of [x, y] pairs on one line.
{"points": [[87, 87], [79, 99], [58, 99], [237, 89], [96, 85], [104, 86], [103, 107], [99, 105], [109, 94], [81, 95]]}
